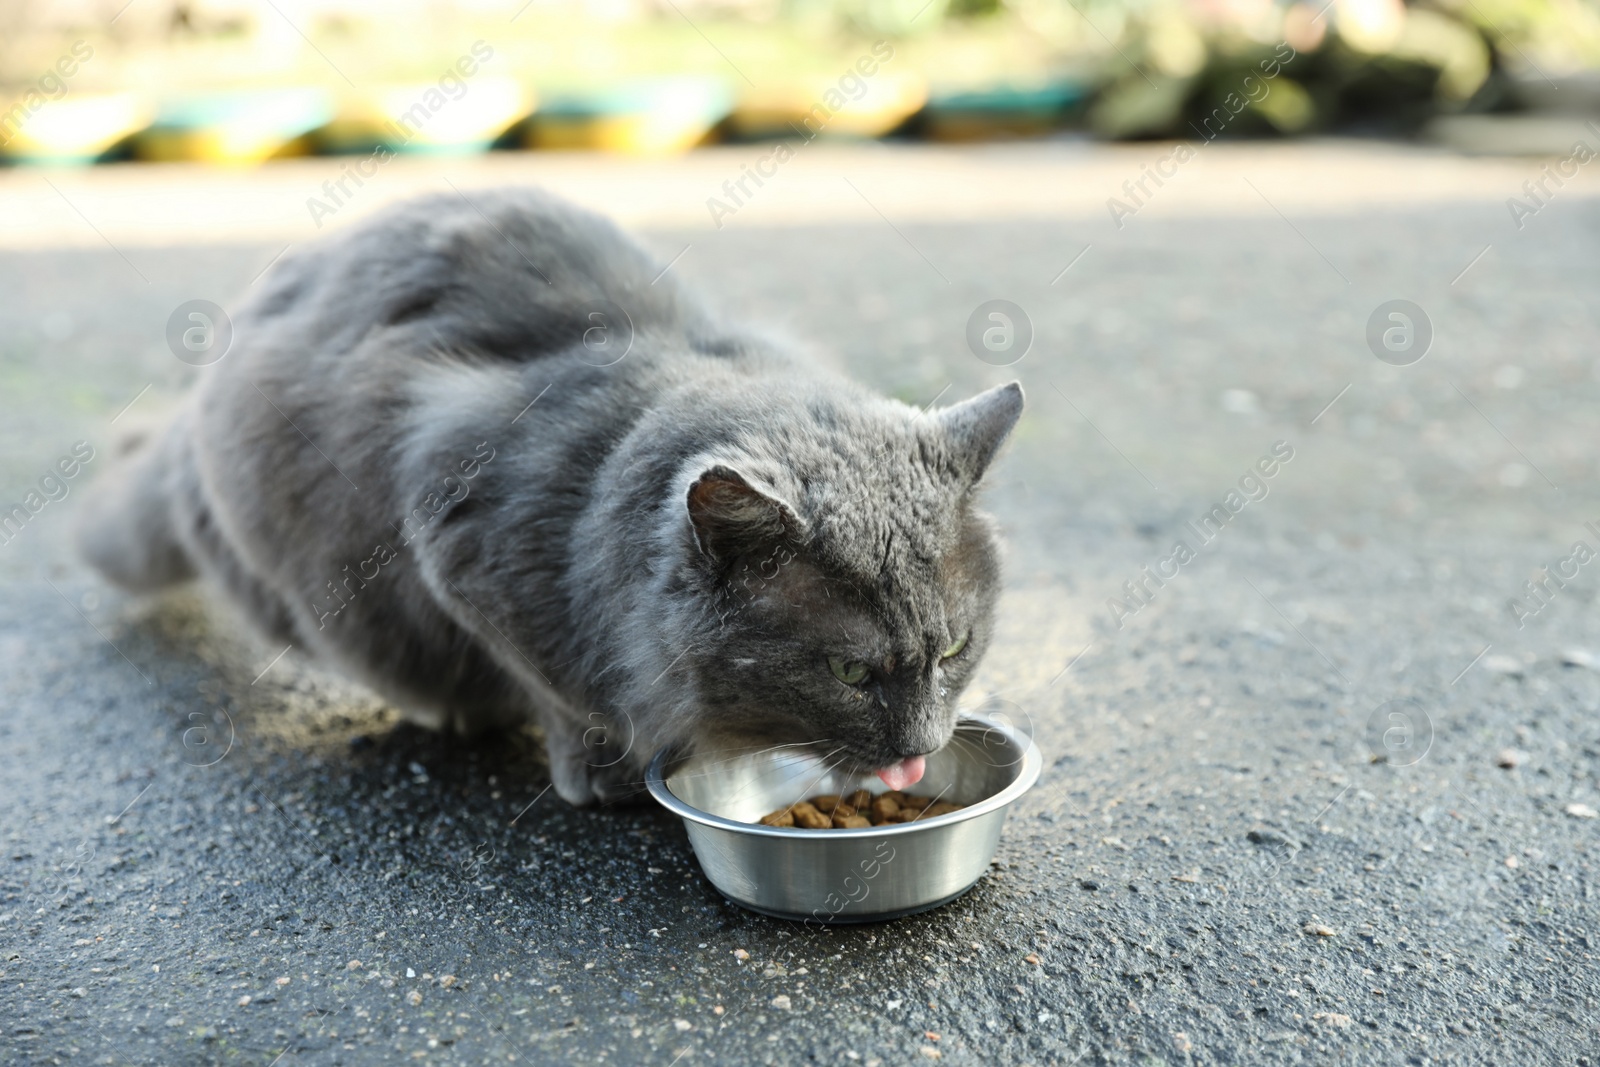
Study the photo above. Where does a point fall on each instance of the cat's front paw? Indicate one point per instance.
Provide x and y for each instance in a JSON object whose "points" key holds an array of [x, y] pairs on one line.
{"points": [[592, 765]]}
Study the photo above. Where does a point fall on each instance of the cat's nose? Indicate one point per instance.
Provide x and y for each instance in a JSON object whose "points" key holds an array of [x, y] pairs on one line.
{"points": [[919, 739]]}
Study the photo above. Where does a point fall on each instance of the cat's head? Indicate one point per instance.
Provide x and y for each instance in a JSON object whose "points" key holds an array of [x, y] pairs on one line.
{"points": [[852, 578]]}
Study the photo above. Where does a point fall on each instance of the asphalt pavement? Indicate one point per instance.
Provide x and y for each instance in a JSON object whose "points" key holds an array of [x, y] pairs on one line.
{"points": [[1322, 788]]}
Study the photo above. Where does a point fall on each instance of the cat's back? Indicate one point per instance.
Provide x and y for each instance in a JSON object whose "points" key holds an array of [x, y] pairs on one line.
{"points": [[509, 274]]}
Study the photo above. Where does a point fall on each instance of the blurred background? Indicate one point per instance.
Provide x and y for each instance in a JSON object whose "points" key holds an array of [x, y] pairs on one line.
{"points": [[240, 81]]}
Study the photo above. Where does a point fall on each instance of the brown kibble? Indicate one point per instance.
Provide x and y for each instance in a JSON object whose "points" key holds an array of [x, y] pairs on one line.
{"points": [[807, 817], [830, 811]]}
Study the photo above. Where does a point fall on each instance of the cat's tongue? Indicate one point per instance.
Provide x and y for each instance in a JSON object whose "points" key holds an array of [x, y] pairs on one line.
{"points": [[906, 772]]}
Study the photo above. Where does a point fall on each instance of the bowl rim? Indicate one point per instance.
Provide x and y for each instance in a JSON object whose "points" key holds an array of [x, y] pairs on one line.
{"points": [[1029, 767]]}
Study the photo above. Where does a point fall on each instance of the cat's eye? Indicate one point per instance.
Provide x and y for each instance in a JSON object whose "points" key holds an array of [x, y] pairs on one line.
{"points": [[850, 672], [956, 646]]}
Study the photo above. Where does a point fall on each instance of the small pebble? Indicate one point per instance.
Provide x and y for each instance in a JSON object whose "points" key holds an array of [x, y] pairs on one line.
{"points": [[1332, 1018], [782, 1002], [353, 965], [1503, 665], [1319, 930], [681, 1025], [740, 954], [244, 1001], [1031, 958], [929, 1051], [1582, 811], [1510, 758], [1513, 862], [448, 980], [414, 998], [283, 981]]}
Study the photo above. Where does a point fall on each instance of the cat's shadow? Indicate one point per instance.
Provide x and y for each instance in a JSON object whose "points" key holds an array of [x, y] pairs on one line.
{"points": [[310, 744]]}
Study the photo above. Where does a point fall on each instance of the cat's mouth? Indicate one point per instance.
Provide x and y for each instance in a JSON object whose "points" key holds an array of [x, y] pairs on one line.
{"points": [[907, 772], [899, 775]]}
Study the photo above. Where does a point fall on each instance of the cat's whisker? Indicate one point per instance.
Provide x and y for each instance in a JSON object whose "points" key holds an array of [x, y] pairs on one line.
{"points": [[821, 760], [769, 748], [931, 803], [738, 754], [826, 770], [957, 739], [978, 749], [713, 766]]}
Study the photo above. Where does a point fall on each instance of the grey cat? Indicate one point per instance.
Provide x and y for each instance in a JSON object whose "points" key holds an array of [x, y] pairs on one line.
{"points": [[479, 456]]}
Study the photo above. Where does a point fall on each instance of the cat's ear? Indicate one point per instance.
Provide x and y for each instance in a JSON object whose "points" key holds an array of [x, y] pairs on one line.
{"points": [[731, 513], [978, 427]]}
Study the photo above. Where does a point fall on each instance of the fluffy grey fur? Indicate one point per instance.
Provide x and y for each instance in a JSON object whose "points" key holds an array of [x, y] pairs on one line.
{"points": [[663, 551]]}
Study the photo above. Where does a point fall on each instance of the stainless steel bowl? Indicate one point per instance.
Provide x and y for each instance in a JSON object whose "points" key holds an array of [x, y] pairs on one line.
{"points": [[846, 876]]}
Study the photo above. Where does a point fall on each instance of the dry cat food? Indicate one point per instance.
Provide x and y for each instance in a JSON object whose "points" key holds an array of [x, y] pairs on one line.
{"points": [[857, 810]]}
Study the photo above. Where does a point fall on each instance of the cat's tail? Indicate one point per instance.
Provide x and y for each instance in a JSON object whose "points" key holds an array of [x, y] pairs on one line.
{"points": [[128, 530]]}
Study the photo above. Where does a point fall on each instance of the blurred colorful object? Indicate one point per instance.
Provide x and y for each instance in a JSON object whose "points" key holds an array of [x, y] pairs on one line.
{"points": [[657, 117], [240, 127], [78, 128], [634, 77], [462, 117], [856, 104], [1000, 112]]}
